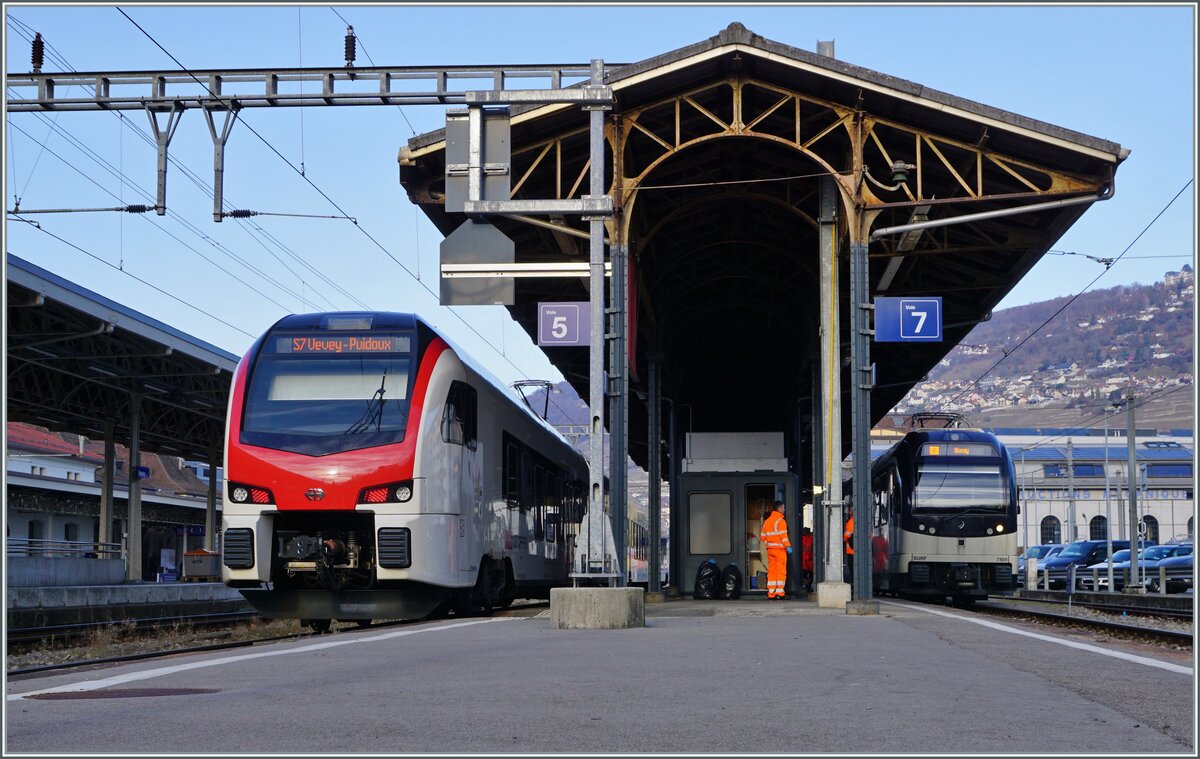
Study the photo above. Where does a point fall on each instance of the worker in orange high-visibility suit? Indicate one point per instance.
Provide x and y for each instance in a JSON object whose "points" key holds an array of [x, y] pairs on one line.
{"points": [[806, 559], [775, 537], [848, 537]]}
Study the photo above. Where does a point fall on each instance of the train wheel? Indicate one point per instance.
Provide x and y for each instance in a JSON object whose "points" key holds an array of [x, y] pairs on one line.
{"points": [[319, 626]]}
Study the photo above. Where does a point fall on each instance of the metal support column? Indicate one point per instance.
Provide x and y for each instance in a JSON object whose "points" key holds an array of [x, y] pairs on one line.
{"points": [[210, 513], [104, 535], [818, 499], [133, 565], [831, 383], [596, 521], [673, 537], [860, 400], [1073, 531], [618, 427], [654, 458], [1135, 532], [163, 138], [219, 159]]}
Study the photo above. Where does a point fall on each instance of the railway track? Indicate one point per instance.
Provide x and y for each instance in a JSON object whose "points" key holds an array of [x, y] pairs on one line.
{"points": [[1058, 617], [143, 655], [30, 636]]}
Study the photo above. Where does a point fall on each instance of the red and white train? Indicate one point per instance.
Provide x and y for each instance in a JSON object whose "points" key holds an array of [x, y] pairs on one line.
{"points": [[373, 472]]}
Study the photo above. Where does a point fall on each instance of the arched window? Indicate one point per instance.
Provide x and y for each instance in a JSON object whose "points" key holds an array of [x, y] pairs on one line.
{"points": [[1190, 527], [1051, 530], [1151, 528], [1098, 528]]}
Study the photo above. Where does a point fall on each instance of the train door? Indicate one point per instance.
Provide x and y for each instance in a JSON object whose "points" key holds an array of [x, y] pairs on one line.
{"points": [[460, 432], [895, 505]]}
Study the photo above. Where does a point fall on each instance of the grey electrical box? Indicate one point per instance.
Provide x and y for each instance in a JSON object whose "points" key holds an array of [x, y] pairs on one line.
{"points": [[494, 159]]}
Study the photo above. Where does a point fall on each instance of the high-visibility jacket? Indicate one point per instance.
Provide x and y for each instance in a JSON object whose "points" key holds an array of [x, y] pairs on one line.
{"points": [[774, 531], [848, 535]]}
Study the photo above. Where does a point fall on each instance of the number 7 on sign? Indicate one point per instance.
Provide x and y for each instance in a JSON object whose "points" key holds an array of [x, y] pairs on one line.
{"points": [[920, 320]]}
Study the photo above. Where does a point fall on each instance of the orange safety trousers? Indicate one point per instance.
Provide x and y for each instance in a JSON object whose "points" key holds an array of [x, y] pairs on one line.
{"points": [[776, 572]]}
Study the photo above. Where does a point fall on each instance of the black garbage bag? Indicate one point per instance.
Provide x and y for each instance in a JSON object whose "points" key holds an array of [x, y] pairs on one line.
{"points": [[708, 577], [731, 582]]}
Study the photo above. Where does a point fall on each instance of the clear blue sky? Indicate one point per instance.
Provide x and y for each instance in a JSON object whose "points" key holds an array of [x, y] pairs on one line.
{"points": [[1122, 73]]}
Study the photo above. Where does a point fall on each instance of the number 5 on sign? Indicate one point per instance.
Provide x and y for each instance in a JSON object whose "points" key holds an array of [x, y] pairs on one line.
{"points": [[564, 324]]}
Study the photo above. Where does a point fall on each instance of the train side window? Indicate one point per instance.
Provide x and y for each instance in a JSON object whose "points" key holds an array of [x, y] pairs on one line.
{"points": [[512, 475], [459, 420], [896, 492], [540, 493]]}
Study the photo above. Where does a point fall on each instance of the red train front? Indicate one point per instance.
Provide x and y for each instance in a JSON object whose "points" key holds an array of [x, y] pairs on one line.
{"points": [[354, 445]]}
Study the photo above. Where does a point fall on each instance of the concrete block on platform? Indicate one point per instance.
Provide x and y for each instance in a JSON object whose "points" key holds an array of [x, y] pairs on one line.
{"points": [[597, 608], [862, 608], [833, 595]]}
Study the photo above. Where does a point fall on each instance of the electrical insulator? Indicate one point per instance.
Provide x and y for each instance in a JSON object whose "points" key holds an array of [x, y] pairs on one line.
{"points": [[39, 53], [350, 47]]}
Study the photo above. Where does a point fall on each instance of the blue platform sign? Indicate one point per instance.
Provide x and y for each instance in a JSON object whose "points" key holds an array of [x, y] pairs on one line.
{"points": [[564, 324], [904, 320]]}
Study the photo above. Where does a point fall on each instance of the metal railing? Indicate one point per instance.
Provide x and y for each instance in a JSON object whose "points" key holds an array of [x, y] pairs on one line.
{"points": [[1155, 580], [80, 549]]}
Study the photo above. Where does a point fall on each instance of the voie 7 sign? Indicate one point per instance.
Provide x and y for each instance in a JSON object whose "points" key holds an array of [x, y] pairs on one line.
{"points": [[564, 324], [902, 320]]}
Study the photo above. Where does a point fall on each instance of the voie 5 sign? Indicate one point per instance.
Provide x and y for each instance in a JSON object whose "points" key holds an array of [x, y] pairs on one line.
{"points": [[564, 324]]}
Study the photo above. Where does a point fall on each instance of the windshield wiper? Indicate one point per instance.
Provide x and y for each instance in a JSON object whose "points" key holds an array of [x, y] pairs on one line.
{"points": [[374, 411]]}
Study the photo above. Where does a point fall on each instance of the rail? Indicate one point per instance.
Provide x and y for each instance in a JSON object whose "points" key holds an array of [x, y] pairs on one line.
{"points": [[82, 549]]}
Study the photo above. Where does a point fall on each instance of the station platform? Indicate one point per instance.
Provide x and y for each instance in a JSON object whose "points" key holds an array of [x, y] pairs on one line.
{"points": [[82, 604], [745, 676]]}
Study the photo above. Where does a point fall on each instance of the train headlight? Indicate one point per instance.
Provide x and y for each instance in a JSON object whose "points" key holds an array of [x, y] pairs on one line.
{"points": [[393, 492], [921, 527], [990, 531], [999, 528], [240, 493], [932, 530]]}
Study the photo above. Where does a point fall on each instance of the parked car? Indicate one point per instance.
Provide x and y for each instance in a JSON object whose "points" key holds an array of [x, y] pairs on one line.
{"points": [[1080, 554], [1180, 572], [1148, 559], [1098, 580], [1039, 552]]}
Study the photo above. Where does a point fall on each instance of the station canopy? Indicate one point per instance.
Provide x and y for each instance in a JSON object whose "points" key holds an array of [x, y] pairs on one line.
{"points": [[76, 360], [714, 154]]}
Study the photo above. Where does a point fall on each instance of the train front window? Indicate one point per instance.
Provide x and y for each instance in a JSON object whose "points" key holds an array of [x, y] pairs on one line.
{"points": [[961, 486], [317, 394]]}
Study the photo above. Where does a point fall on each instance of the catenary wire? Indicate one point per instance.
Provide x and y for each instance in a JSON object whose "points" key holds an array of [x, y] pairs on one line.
{"points": [[358, 41], [311, 183], [192, 306], [172, 236], [61, 61], [1073, 298]]}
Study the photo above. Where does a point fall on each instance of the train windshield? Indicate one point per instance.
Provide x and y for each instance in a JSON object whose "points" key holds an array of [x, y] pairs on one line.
{"points": [[320, 393], [958, 486]]}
